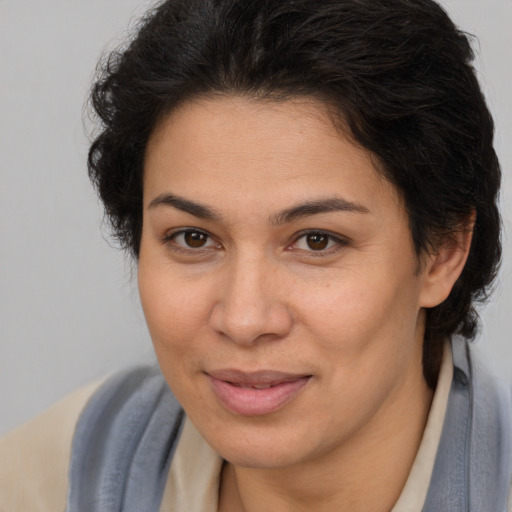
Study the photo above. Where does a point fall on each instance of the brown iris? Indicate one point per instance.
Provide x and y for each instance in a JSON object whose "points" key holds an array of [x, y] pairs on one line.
{"points": [[317, 241], [195, 239]]}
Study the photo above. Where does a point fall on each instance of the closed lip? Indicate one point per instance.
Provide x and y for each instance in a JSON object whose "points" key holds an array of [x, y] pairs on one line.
{"points": [[256, 393], [255, 379]]}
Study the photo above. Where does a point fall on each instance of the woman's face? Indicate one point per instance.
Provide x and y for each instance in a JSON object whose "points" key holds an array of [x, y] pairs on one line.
{"points": [[279, 281]]}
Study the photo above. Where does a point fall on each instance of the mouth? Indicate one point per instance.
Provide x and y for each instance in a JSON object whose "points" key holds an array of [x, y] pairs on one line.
{"points": [[255, 386], [256, 393]]}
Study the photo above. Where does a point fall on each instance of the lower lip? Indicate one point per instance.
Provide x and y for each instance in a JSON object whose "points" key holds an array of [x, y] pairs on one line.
{"points": [[256, 402]]}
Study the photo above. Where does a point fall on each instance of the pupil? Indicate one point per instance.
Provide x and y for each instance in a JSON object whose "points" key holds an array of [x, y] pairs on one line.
{"points": [[317, 242], [195, 239]]}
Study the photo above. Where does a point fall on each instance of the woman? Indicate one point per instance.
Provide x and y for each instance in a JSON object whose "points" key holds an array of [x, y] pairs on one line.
{"points": [[309, 190]]}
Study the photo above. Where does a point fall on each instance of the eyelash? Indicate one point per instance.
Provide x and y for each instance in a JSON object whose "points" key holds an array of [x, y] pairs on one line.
{"points": [[337, 242], [171, 238]]}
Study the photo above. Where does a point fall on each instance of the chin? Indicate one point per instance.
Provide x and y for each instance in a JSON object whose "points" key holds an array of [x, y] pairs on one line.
{"points": [[261, 457], [262, 446]]}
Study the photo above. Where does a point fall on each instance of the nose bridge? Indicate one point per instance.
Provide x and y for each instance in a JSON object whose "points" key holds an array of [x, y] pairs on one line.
{"points": [[250, 307]]}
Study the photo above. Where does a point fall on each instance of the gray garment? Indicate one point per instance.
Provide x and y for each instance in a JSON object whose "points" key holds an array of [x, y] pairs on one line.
{"points": [[123, 445], [473, 467], [128, 432]]}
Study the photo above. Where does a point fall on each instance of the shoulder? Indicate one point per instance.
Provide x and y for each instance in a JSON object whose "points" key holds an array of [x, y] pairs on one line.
{"points": [[92, 429], [123, 443], [34, 458], [474, 457]]}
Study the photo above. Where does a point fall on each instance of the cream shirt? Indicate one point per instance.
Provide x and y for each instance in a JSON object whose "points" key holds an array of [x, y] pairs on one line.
{"points": [[34, 460]]}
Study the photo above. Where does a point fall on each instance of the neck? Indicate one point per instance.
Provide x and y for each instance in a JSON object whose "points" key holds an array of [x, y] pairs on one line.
{"points": [[366, 474]]}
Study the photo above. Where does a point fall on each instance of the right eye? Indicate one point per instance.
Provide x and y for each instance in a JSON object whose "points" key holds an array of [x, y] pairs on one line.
{"points": [[192, 239]]}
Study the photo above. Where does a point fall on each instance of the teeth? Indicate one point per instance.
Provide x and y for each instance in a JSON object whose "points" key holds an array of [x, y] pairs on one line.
{"points": [[256, 386]]}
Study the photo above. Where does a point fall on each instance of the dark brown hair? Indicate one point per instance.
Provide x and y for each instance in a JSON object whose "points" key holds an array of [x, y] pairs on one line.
{"points": [[398, 72]]}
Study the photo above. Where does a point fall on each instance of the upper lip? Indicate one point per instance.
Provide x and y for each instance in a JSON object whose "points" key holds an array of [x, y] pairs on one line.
{"points": [[257, 378]]}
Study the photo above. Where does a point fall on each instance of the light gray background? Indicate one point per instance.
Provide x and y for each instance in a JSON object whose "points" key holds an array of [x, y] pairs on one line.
{"points": [[69, 307]]}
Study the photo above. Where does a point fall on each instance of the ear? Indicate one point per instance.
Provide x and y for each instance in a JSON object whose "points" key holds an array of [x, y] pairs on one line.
{"points": [[441, 269]]}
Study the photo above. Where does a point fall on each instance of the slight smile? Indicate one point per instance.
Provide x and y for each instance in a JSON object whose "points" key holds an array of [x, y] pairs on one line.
{"points": [[255, 393]]}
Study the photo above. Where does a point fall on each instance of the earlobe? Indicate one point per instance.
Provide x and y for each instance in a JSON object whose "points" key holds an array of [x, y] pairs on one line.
{"points": [[442, 268]]}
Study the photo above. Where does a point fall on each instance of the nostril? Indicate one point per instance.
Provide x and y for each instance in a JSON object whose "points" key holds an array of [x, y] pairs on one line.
{"points": [[246, 325]]}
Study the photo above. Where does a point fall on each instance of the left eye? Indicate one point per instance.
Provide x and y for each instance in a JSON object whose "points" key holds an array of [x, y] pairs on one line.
{"points": [[317, 241]]}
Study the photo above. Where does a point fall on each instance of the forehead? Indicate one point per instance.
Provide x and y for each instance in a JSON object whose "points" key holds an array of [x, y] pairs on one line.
{"points": [[225, 120], [265, 151]]}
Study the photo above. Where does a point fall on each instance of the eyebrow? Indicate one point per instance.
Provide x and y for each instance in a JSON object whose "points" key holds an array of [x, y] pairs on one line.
{"points": [[332, 204], [185, 205]]}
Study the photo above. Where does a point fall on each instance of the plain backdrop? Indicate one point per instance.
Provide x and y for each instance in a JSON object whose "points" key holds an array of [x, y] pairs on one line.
{"points": [[69, 306]]}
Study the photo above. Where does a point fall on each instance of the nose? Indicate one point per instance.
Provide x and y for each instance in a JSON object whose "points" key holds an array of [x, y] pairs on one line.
{"points": [[251, 307]]}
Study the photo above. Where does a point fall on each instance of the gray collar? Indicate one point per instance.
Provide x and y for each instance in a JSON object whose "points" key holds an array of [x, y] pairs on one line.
{"points": [[473, 467], [123, 445]]}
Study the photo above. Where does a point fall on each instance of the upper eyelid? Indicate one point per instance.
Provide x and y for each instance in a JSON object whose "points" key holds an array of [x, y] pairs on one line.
{"points": [[340, 242], [171, 234], [333, 236], [178, 231]]}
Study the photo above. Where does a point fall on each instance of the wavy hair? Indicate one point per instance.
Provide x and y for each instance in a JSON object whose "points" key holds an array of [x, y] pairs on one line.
{"points": [[398, 73]]}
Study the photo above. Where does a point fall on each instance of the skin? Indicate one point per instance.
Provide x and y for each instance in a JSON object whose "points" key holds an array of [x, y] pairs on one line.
{"points": [[247, 288]]}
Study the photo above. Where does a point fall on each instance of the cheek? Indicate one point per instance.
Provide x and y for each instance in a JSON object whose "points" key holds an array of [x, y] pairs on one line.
{"points": [[174, 309], [364, 318], [176, 315], [365, 332]]}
